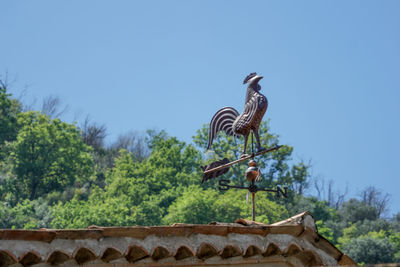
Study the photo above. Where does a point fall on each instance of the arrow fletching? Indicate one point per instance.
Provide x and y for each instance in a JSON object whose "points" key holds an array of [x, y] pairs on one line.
{"points": [[214, 174]]}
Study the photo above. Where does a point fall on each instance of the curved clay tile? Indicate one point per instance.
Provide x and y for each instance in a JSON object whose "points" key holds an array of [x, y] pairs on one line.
{"points": [[183, 252], [251, 251], [83, 255], [57, 257], [30, 258], [230, 251], [7, 258], [135, 253], [272, 250], [206, 251], [293, 249], [160, 253], [309, 258], [111, 254]]}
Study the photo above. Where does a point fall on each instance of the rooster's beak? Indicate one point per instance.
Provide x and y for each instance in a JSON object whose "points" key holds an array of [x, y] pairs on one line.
{"points": [[259, 78]]}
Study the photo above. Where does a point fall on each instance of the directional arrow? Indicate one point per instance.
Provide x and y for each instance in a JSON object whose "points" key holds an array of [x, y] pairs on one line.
{"points": [[240, 160]]}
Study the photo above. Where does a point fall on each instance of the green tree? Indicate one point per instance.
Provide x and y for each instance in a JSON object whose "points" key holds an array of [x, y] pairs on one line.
{"points": [[26, 214], [98, 210], [325, 231], [194, 206], [372, 249], [319, 209], [121, 180], [366, 226], [171, 164], [9, 109], [47, 155], [394, 238], [197, 205], [355, 210]]}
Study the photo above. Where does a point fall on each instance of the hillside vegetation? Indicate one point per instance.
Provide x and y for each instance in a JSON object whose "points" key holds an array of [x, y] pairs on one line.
{"points": [[55, 174]]}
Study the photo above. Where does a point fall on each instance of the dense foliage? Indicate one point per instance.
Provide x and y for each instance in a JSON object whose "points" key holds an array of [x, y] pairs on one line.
{"points": [[56, 174]]}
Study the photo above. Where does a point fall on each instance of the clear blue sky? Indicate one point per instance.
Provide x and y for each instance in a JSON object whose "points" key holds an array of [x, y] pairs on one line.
{"points": [[331, 68]]}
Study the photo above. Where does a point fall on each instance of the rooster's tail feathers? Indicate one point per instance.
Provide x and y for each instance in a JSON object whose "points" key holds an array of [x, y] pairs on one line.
{"points": [[222, 121]]}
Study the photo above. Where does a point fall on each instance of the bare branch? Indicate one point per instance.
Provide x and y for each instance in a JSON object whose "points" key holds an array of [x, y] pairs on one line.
{"points": [[133, 143], [93, 134], [319, 185], [327, 192], [5, 80], [375, 198], [51, 106]]}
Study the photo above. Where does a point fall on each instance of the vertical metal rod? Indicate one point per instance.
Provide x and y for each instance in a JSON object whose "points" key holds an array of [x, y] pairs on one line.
{"points": [[253, 206], [252, 144]]}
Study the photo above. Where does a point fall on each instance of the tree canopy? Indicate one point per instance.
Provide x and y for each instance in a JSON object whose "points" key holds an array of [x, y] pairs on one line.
{"points": [[47, 155]]}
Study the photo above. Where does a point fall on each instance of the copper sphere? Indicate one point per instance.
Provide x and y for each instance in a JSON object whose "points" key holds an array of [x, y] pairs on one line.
{"points": [[253, 163], [252, 173]]}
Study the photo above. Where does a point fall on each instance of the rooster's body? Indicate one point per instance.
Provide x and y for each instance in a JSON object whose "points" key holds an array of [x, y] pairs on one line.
{"points": [[228, 119]]}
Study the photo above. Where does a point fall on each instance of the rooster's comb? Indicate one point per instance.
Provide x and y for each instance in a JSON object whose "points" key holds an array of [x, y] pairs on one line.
{"points": [[251, 75]]}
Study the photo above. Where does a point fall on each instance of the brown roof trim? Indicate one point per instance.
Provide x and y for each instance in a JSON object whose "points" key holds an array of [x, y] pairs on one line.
{"points": [[292, 226], [29, 235], [141, 232]]}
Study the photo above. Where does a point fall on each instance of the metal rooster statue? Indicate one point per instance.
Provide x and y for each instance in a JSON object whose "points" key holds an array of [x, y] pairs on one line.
{"points": [[228, 119]]}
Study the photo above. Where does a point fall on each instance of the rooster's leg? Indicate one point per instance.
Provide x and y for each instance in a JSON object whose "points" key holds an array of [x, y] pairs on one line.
{"points": [[259, 147], [246, 137]]}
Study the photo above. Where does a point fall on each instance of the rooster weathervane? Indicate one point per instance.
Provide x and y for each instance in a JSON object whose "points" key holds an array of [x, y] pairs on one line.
{"points": [[229, 120]]}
